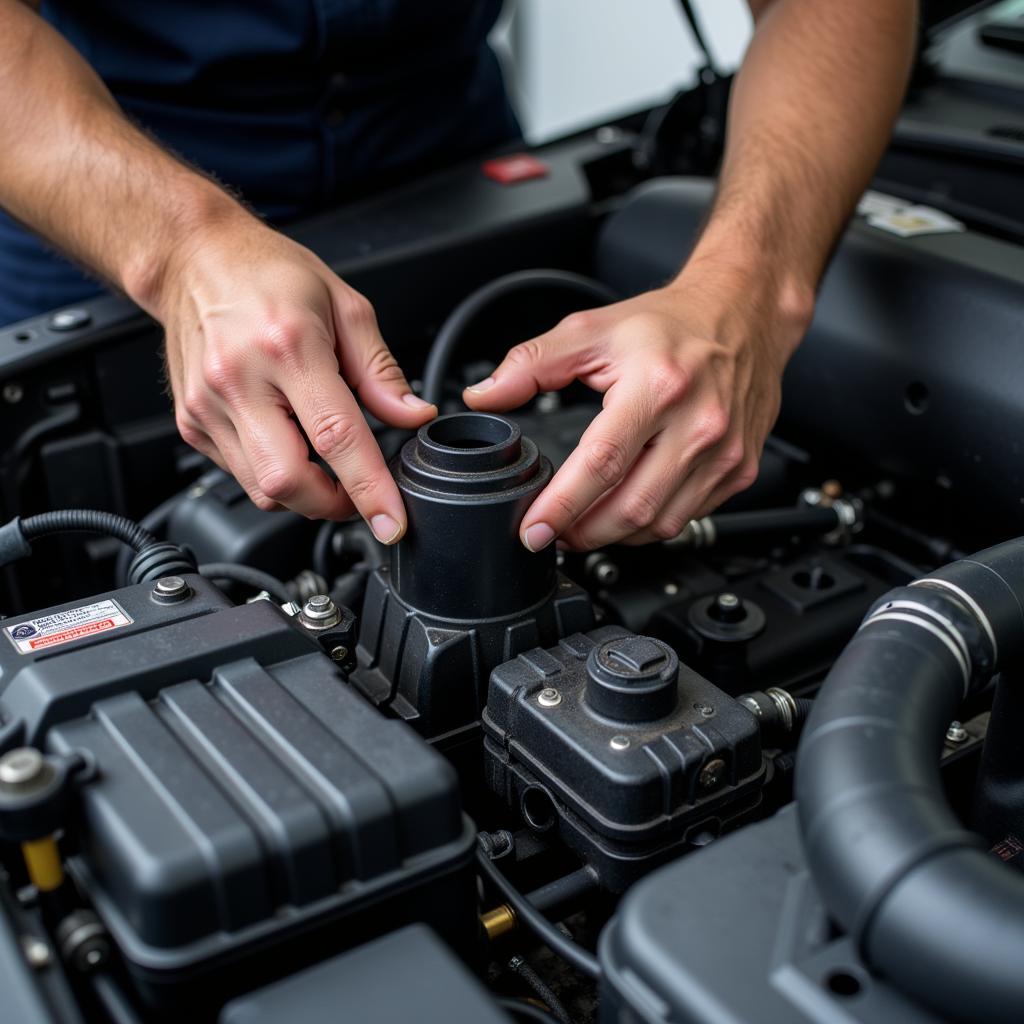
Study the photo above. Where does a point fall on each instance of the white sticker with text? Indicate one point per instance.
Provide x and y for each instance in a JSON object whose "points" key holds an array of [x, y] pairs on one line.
{"points": [[63, 627]]}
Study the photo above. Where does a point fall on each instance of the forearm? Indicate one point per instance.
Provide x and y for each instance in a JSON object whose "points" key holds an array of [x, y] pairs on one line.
{"points": [[810, 115], [79, 173]]}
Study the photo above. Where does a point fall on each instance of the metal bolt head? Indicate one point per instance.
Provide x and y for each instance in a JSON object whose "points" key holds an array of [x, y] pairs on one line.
{"points": [[712, 774], [13, 393], [339, 653], [671, 589], [70, 319], [956, 733], [171, 590], [619, 743], [706, 710], [21, 766], [606, 572], [320, 612], [728, 600], [37, 952], [170, 586], [549, 697]]}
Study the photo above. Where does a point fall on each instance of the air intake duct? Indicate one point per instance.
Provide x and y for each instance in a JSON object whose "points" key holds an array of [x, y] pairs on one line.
{"points": [[929, 907]]}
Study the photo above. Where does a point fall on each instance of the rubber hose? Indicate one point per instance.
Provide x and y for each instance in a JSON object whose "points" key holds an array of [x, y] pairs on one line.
{"points": [[530, 917], [247, 576], [927, 905], [462, 317]]}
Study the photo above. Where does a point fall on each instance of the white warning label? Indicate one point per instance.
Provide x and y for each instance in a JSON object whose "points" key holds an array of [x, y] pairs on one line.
{"points": [[63, 627]]}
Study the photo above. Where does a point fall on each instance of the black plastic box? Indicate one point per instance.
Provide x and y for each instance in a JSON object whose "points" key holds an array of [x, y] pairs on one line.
{"points": [[632, 755], [249, 812]]}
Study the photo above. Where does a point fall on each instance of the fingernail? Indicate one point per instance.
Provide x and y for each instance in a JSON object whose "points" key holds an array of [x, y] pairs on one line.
{"points": [[415, 402], [538, 536], [385, 528], [485, 385]]}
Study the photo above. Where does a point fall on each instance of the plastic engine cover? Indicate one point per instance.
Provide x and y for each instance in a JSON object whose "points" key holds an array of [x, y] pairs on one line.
{"points": [[633, 755], [239, 802]]}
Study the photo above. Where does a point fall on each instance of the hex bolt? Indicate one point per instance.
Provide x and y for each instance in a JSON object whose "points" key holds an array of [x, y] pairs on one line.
{"points": [[37, 952], [549, 697], [320, 612], [956, 733], [170, 589], [712, 774], [619, 743]]}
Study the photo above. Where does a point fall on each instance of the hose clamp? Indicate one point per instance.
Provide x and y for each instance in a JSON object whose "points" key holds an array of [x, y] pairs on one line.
{"points": [[959, 592]]}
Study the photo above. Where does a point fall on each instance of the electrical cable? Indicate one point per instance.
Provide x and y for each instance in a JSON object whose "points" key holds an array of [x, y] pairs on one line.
{"points": [[461, 318], [86, 520], [247, 576], [583, 960], [540, 987]]}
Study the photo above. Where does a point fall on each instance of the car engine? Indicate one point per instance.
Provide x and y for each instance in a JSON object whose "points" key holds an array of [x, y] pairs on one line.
{"points": [[256, 768]]}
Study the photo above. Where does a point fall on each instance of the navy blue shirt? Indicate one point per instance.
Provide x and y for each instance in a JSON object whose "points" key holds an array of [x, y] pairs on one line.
{"points": [[290, 102]]}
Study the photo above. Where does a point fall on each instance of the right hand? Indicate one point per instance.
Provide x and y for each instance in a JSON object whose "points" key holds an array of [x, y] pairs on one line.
{"points": [[259, 331]]}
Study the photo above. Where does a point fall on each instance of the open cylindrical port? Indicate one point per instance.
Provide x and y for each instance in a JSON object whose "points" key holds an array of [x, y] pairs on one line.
{"points": [[538, 808], [469, 430], [468, 442]]}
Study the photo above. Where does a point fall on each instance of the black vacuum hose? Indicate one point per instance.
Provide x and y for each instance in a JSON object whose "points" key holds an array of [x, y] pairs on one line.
{"points": [[461, 318], [928, 907]]}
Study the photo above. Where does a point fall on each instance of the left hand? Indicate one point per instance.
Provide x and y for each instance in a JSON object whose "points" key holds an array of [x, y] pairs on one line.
{"points": [[691, 376]]}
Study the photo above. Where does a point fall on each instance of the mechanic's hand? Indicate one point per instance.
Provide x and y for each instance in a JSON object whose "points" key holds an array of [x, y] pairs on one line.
{"points": [[691, 380], [259, 330]]}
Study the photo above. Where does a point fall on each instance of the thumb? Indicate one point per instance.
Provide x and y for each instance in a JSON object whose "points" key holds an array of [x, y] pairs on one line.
{"points": [[546, 363], [370, 369]]}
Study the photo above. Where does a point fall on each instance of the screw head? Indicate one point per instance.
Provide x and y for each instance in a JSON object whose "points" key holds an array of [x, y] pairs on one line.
{"points": [[706, 710], [37, 952], [619, 743], [70, 319], [712, 774], [956, 733], [13, 393], [549, 697], [339, 653], [671, 589], [21, 766]]}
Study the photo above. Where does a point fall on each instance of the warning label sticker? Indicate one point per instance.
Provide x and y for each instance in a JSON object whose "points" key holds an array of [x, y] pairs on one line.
{"points": [[63, 627]]}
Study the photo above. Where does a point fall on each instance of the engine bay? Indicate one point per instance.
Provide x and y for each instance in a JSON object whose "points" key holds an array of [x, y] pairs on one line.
{"points": [[255, 766]]}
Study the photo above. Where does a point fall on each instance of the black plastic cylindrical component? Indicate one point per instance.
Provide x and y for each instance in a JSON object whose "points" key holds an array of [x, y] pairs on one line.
{"points": [[632, 679], [467, 480], [761, 522]]}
